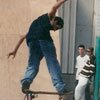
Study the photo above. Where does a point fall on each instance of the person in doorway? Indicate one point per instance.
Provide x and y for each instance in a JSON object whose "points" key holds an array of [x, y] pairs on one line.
{"points": [[81, 59], [89, 52], [41, 45], [87, 71]]}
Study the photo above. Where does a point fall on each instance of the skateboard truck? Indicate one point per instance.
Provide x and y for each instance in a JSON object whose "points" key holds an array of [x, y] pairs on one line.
{"points": [[33, 96], [30, 96]]}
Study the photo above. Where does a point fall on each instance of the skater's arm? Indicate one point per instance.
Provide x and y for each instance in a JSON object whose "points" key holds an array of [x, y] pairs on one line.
{"points": [[13, 53], [55, 7]]}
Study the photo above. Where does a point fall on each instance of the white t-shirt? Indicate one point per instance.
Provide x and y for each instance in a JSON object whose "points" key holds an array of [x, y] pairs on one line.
{"points": [[80, 62]]}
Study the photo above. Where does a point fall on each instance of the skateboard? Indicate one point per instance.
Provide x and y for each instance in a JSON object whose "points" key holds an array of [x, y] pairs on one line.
{"points": [[30, 95]]}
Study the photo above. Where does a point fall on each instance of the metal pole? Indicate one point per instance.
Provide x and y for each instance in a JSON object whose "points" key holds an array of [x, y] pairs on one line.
{"points": [[97, 75]]}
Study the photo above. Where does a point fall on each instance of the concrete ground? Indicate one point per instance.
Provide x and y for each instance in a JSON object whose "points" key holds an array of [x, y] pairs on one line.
{"points": [[15, 18]]}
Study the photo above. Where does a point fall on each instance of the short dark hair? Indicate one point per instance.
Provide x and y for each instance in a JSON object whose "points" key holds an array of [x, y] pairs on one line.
{"points": [[59, 21], [81, 46]]}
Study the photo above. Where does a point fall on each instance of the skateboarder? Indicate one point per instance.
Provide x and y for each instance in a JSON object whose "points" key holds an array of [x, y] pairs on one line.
{"points": [[41, 45]]}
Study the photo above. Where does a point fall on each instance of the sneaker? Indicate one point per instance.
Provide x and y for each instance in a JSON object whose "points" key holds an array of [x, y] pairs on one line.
{"points": [[25, 87], [66, 92]]}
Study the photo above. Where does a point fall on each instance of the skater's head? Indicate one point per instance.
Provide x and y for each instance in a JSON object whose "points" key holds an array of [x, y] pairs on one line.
{"points": [[81, 50], [57, 23]]}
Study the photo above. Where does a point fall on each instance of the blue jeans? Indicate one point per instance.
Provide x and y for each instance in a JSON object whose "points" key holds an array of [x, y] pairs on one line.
{"points": [[37, 50]]}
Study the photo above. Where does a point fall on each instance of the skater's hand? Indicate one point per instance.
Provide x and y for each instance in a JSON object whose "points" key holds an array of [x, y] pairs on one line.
{"points": [[13, 54], [53, 10]]}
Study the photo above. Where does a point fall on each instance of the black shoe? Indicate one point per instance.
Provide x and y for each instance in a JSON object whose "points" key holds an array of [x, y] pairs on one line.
{"points": [[66, 92], [25, 87]]}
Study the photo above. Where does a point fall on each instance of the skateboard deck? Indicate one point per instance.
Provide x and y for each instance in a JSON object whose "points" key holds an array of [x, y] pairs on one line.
{"points": [[34, 94]]}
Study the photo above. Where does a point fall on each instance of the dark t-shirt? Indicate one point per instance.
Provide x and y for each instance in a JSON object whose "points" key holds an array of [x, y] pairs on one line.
{"points": [[40, 29]]}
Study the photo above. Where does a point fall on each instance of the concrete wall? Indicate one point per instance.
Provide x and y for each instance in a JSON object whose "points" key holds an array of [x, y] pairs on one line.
{"points": [[15, 18], [97, 18], [84, 24], [78, 17], [68, 13]]}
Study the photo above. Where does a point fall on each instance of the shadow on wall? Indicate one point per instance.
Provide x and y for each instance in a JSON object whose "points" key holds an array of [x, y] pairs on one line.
{"points": [[15, 18]]}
